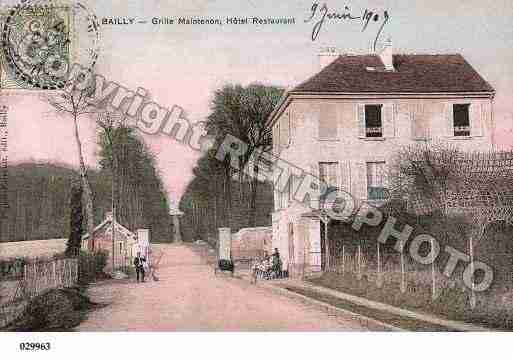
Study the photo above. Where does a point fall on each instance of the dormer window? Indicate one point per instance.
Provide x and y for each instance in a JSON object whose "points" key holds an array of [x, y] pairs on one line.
{"points": [[461, 119], [373, 121]]}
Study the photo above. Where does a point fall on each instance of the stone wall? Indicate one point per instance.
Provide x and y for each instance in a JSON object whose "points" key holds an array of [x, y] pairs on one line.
{"points": [[251, 243]]}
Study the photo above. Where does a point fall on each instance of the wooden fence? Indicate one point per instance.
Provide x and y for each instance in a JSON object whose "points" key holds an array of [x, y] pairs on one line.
{"points": [[38, 277], [41, 276], [389, 269]]}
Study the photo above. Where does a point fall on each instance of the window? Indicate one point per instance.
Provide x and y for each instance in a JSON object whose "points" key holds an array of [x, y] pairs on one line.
{"points": [[328, 174], [328, 126], [461, 119], [373, 123], [376, 181]]}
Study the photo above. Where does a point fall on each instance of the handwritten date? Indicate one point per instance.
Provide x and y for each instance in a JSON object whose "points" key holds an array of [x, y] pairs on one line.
{"points": [[320, 14]]}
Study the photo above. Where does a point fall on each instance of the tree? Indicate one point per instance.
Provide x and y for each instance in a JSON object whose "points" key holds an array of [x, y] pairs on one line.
{"points": [[445, 182], [426, 176], [243, 113], [108, 124], [140, 199], [76, 217], [74, 103]]}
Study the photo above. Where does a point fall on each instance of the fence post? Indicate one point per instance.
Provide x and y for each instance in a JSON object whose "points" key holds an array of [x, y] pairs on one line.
{"points": [[343, 259], [359, 261], [55, 282], [34, 277], [70, 273], [403, 278], [378, 277], [433, 278]]}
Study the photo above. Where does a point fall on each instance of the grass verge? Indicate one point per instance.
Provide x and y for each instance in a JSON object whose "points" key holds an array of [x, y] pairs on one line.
{"points": [[451, 303]]}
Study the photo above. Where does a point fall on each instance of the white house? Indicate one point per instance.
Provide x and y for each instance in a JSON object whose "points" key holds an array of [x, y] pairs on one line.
{"points": [[345, 123], [127, 244]]}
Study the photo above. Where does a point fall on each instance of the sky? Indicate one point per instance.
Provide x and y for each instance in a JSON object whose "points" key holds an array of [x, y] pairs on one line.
{"points": [[184, 64]]}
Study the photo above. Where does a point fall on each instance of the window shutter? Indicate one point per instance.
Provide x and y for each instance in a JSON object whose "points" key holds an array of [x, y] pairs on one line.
{"points": [[413, 120], [384, 173], [360, 114], [314, 170], [475, 115], [420, 127], [328, 122], [345, 177], [334, 174], [389, 120], [448, 119], [485, 118], [359, 184]]}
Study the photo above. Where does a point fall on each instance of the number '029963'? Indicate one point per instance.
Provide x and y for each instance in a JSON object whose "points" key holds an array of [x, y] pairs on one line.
{"points": [[26, 346]]}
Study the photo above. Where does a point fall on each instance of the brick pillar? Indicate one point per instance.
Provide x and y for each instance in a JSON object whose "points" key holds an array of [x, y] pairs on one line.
{"points": [[176, 229]]}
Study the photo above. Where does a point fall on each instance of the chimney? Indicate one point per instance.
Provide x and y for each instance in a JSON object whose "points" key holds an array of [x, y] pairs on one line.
{"points": [[327, 55], [386, 55]]}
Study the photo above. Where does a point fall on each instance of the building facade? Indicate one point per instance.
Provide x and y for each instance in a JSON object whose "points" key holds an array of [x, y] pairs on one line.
{"points": [[346, 123], [126, 244]]}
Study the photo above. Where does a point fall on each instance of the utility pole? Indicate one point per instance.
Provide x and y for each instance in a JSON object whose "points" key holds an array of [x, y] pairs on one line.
{"points": [[113, 222]]}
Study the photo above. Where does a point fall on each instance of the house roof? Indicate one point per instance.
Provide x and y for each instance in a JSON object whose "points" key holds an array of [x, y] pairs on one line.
{"points": [[414, 74], [117, 225]]}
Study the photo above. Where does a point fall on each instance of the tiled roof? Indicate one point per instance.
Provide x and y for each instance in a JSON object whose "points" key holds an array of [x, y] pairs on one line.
{"points": [[414, 74]]}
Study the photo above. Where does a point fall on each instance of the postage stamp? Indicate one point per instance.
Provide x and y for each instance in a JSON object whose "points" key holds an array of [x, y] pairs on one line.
{"points": [[40, 39]]}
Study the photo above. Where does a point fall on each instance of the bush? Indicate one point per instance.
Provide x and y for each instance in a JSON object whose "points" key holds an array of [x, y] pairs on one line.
{"points": [[49, 311], [91, 266], [56, 309], [12, 268], [100, 260]]}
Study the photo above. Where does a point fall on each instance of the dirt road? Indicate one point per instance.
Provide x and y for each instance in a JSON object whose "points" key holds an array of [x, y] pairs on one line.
{"points": [[188, 297]]}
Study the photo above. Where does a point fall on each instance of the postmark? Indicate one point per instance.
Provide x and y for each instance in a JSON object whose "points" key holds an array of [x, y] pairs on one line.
{"points": [[40, 41]]}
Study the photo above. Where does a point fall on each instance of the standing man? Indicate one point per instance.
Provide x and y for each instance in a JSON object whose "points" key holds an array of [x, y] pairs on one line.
{"points": [[139, 263]]}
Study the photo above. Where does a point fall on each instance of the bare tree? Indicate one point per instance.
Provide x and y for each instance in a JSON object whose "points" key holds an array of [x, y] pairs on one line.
{"points": [[75, 104], [109, 123], [484, 196], [426, 176], [445, 181]]}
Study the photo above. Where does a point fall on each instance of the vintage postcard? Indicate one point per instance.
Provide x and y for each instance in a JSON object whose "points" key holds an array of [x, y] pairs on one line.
{"points": [[255, 166]]}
